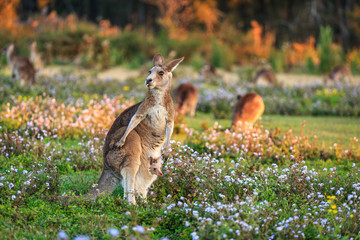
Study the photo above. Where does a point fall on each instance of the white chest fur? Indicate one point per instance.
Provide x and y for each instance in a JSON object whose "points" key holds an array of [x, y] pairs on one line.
{"points": [[157, 116]]}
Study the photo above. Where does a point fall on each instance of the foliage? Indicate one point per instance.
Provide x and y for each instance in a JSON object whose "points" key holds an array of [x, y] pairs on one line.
{"points": [[256, 43], [326, 38], [298, 53], [222, 55]]}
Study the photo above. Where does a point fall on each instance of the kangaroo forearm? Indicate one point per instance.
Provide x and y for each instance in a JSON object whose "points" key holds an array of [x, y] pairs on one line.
{"points": [[135, 120], [169, 130]]}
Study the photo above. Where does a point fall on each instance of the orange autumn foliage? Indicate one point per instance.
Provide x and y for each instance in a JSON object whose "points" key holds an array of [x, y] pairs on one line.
{"points": [[107, 30], [255, 43], [42, 3], [175, 16], [353, 57], [207, 13], [298, 53], [8, 14]]}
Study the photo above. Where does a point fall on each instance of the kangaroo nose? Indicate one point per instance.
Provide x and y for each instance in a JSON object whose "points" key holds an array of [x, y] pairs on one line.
{"points": [[148, 81]]}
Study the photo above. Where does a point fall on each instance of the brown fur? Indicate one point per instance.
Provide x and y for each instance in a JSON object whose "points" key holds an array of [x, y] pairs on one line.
{"points": [[186, 97], [137, 136], [155, 166], [207, 71], [267, 75], [248, 109], [338, 74], [21, 67]]}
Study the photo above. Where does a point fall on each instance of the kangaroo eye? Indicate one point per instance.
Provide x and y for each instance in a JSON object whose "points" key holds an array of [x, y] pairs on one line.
{"points": [[161, 73], [154, 169]]}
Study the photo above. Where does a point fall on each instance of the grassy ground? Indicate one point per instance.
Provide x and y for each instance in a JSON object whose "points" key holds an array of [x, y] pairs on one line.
{"points": [[329, 130], [217, 184]]}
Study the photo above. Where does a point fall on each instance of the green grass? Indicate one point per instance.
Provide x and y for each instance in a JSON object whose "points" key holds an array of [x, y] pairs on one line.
{"points": [[328, 129], [217, 184]]}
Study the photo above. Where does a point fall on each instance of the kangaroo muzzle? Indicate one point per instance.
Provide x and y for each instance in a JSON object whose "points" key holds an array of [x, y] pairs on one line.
{"points": [[148, 82]]}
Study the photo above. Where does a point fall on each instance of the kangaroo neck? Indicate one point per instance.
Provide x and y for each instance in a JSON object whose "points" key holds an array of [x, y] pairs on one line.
{"points": [[159, 94], [10, 55]]}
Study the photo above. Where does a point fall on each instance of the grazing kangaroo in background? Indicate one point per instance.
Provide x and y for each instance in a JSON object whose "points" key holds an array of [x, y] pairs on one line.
{"points": [[21, 67], [248, 109], [338, 74], [137, 136], [266, 76], [186, 97], [35, 57], [207, 71]]}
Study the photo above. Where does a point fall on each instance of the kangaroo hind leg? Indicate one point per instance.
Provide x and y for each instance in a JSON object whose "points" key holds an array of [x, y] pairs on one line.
{"points": [[128, 174], [130, 165]]}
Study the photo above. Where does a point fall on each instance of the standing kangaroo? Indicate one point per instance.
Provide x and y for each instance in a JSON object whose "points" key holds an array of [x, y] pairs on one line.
{"points": [[266, 75], [35, 57], [248, 109], [137, 136], [338, 74], [21, 67], [186, 97]]}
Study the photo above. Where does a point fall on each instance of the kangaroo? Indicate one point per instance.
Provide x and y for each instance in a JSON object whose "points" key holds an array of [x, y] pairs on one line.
{"points": [[266, 76], [137, 135], [21, 67], [207, 71], [338, 74], [155, 166], [248, 109], [35, 57], [186, 97]]}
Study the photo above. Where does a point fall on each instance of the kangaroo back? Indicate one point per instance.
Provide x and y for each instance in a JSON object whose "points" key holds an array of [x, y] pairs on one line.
{"points": [[248, 109], [266, 75], [21, 67], [186, 97]]}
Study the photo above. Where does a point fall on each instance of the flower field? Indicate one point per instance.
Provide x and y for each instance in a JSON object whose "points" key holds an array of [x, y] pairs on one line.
{"points": [[218, 183]]}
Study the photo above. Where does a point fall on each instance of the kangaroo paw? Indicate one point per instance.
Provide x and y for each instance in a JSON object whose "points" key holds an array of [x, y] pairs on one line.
{"points": [[120, 143], [111, 145]]}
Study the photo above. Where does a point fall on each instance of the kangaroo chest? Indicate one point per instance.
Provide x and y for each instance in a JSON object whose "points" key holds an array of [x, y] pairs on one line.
{"points": [[156, 117]]}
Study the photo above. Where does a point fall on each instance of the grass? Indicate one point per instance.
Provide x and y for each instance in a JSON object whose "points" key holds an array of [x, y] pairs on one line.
{"points": [[217, 184], [328, 129]]}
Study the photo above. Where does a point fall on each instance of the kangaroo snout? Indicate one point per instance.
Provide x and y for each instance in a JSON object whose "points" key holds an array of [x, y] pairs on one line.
{"points": [[148, 82]]}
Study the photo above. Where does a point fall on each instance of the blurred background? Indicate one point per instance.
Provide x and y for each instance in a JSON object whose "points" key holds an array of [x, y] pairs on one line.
{"points": [[311, 36]]}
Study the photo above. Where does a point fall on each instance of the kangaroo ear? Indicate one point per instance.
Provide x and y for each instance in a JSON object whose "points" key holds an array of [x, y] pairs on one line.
{"points": [[173, 64], [158, 60]]}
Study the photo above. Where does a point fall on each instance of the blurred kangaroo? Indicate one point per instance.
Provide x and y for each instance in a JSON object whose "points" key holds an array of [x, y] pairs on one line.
{"points": [[138, 134], [35, 57], [21, 67], [207, 71], [266, 75], [249, 108], [339, 74], [186, 98]]}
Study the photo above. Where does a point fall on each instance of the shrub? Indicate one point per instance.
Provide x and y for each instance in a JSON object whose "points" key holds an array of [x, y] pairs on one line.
{"points": [[326, 38], [221, 55]]}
